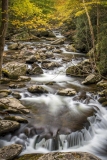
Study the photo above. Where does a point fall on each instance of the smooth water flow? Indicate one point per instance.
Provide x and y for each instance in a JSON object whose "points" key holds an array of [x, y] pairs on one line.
{"points": [[61, 123]]}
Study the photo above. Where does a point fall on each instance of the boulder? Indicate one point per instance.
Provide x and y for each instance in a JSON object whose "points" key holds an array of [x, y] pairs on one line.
{"points": [[102, 84], [16, 118], [82, 69], [70, 48], [14, 86], [4, 93], [24, 78], [7, 126], [58, 41], [4, 80], [50, 65], [14, 69], [37, 89], [57, 51], [67, 92], [13, 46], [10, 152], [16, 95], [12, 105], [60, 156], [31, 59], [35, 70], [91, 79], [23, 36]]}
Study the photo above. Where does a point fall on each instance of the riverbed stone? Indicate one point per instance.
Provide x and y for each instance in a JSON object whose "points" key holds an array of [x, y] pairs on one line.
{"points": [[14, 69], [10, 152], [4, 93], [16, 95], [13, 46], [24, 78], [60, 156], [102, 84], [35, 70], [37, 89], [70, 48], [7, 126], [91, 79], [4, 80], [50, 65], [82, 69], [58, 41], [31, 59], [16, 118], [67, 92], [12, 104]]}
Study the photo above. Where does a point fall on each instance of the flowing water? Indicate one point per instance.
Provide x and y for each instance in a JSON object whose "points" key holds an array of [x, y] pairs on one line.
{"points": [[60, 123]]}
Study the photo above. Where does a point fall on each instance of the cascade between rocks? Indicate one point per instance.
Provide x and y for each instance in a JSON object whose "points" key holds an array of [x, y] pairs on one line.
{"points": [[59, 122]]}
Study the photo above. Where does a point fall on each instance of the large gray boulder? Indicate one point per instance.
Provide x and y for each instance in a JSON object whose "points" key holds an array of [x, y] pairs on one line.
{"points": [[10, 152], [14, 69], [7, 126], [67, 92], [82, 69], [50, 65], [70, 48], [91, 79], [12, 105], [16, 118], [37, 89], [58, 41], [35, 70]]}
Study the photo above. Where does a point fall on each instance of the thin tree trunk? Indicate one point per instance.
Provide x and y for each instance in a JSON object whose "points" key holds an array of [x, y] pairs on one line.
{"points": [[98, 16], [3, 29], [90, 25]]}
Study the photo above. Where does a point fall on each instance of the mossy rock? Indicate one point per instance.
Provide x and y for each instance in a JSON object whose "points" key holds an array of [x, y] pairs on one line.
{"points": [[102, 99], [30, 157]]}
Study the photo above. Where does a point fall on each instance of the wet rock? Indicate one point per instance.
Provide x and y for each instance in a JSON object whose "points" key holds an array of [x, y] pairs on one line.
{"points": [[16, 95], [37, 89], [31, 59], [49, 55], [14, 69], [14, 86], [70, 48], [8, 126], [104, 104], [60, 156], [102, 99], [23, 36], [91, 79], [13, 46], [16, 118], [35, 70], [50, 65], [10, 152], [24, 78], [4, 80], [82, 69], [57, 51], [102, 84], [58, 41], [67, 92], [4, 93], [26, 53], [12, 104]]}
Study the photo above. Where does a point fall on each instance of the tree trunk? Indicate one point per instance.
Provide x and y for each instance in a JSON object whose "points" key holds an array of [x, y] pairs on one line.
{"points": [[90, 25], [3, 29]]}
